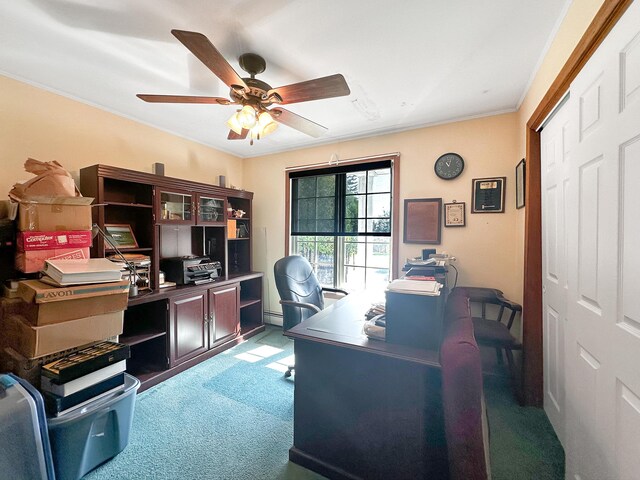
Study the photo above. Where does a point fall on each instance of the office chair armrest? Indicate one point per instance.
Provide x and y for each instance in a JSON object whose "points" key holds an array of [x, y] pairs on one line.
{"points": [[490, 295], [334, 290], [508, 303], [310, 306]]}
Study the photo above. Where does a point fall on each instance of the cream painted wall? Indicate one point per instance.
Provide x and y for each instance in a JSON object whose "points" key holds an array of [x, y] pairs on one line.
{"points": [[38, 124], [578, 17], [485, 248], [575, 23]]}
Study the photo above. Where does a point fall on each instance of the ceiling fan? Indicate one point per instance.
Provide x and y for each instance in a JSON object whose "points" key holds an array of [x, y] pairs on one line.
{"points": [[253, 95]]}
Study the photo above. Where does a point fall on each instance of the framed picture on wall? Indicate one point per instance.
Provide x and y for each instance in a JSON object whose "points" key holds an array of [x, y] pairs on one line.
{"points": [[454, 214], [520, 183], [422, 220], [487, 195]]}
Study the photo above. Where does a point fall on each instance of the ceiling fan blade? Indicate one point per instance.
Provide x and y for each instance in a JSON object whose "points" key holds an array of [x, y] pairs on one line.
{"points": [[325, 87], [234, 136], [204, 50], [182, 99], [292, 120]]}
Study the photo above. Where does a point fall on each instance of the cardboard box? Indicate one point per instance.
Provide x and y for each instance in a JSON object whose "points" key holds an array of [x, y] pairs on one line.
{"points": [[44, 304], [28, 241], [9, 306], [33, 261], [34, 342], [231, 228], [49, 214]]}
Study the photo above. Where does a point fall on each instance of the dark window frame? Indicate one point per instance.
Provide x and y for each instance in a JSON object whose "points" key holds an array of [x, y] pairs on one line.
{"points": [[353, 166]]}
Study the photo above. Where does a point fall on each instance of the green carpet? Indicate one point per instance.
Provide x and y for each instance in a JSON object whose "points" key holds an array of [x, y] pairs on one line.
{"points": [[231, 417], [523, 444]]}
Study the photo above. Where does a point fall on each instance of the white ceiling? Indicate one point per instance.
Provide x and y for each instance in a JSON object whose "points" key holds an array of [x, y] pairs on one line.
{"points": [[409, 63]]}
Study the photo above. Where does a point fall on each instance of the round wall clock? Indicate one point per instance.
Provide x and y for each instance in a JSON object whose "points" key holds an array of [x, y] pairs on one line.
{"points": [[449, 166]]}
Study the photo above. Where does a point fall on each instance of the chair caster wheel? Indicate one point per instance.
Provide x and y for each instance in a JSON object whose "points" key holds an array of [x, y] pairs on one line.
{"points": [[287, 374]]}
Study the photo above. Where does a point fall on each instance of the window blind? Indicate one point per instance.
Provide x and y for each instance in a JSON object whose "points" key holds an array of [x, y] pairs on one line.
{"points": [[348, 200]]}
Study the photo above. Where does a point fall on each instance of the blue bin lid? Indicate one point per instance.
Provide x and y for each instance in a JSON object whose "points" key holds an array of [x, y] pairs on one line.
{"points": [[23, 407]]}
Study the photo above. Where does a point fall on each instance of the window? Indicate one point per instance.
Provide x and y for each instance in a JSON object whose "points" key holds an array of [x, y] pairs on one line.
{"points": [[341, 221]]}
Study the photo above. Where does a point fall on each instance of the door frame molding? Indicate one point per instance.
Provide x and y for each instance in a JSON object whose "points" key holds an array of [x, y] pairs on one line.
{"points": [[602, 23]]}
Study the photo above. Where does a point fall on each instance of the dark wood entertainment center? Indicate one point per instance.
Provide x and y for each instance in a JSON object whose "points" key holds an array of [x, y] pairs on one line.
{"points": [[172, 329]]}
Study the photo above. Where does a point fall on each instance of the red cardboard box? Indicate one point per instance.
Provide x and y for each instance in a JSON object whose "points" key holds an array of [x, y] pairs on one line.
{"points": [[28, 241], [33, 261]]}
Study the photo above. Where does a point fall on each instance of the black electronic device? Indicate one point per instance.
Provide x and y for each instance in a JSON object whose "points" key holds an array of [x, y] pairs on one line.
{"points": [[7, 249], [428, 251], [190, 269]]}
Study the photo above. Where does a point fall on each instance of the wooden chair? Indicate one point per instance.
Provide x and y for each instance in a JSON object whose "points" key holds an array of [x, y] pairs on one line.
{"points": [[496, 332]]}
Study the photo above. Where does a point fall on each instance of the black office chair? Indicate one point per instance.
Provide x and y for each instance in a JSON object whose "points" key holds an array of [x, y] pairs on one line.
{"points": [[301, 295]]}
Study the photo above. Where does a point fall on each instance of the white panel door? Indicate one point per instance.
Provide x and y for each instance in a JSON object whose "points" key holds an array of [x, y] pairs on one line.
{"points": [[555, 149], [602, 338]]}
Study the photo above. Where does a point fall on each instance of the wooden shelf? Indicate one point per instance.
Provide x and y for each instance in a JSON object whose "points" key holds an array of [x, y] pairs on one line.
{"points": [[139, 249], [124, 204], [146, 375], [249, 329], [249, 301], [128, 197], [140, 337]]}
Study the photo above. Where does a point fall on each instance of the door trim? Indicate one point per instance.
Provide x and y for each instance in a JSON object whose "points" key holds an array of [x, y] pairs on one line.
{"points": [[602, 23]]}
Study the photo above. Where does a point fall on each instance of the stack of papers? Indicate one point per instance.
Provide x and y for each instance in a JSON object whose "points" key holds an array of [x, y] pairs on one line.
{"points": [[80, 272], [415, 287]]}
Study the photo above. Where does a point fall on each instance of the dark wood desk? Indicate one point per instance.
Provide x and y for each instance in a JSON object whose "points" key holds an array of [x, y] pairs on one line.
{"points": [[364, 408]]}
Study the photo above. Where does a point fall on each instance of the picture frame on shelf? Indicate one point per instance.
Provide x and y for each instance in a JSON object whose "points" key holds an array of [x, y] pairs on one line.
{"points": [[122, 235], [454, 214], [487, 195], [521, 172], [423, 220]]}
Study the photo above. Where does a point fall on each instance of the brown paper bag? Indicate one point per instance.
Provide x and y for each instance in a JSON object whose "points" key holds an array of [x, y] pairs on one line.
{"points": [[51, 180]]}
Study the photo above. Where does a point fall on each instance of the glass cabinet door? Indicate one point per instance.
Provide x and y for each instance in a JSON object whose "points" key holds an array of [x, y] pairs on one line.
{"points": [[210, 210], [176, 207]]}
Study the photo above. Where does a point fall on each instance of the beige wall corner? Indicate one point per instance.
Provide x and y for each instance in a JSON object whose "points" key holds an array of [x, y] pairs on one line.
{"points": [[572, 28]]}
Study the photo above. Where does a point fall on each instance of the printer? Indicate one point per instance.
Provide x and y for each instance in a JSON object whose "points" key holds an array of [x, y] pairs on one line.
{"points": [[190, 269]]}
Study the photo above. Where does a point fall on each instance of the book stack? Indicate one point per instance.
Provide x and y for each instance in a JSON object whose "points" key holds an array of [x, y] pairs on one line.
{"points": [[80, 272], [72, 382]]}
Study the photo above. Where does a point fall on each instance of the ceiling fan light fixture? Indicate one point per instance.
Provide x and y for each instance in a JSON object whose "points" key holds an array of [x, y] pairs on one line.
{"points": [[247, 117], [234, 124], [267, 125]]}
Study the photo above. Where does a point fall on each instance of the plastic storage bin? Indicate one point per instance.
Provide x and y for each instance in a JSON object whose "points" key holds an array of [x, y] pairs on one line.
{"points": [[24, 441], [82, 440]]}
